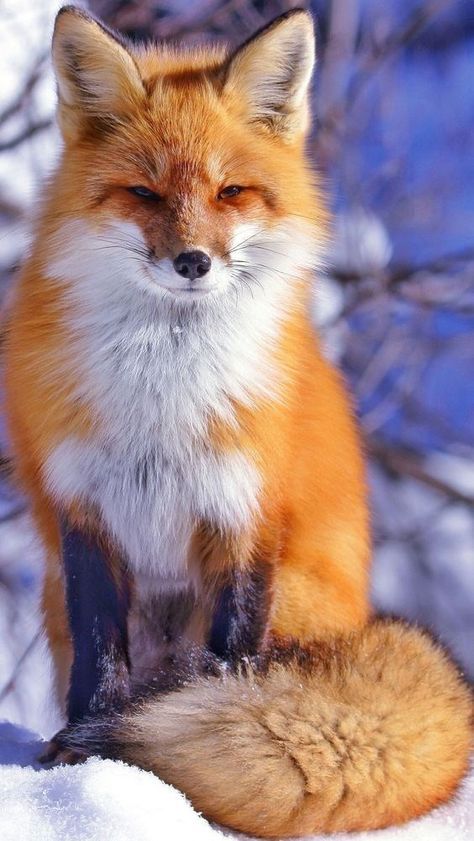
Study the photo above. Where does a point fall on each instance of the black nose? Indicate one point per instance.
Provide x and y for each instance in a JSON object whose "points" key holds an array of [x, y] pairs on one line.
{"points": [[192, 264]]}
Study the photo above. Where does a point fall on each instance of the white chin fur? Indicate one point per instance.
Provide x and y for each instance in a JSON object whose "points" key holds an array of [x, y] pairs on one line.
{"points": [[191, 293]]}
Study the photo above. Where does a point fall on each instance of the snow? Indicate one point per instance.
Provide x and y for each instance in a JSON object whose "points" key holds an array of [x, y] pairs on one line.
{"points": [[105, 799], [91, 802]]}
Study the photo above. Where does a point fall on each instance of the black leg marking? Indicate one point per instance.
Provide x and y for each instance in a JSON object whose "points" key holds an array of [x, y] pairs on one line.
{"points": [[241, 612], [97, 604]]}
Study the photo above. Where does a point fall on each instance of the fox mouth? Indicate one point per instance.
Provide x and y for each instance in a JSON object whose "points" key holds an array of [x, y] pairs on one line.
{"points": [[188, 291], [194, 291]]}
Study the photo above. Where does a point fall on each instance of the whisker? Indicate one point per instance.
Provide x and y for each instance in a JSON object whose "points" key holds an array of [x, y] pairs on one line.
{"points": [[129, 242], [129, 249], [269, 270], [244, 241]]}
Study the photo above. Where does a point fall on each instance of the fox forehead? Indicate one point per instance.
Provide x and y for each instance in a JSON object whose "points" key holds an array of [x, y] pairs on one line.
{"points": [[180, 65], [184, 133], [183, 111]]}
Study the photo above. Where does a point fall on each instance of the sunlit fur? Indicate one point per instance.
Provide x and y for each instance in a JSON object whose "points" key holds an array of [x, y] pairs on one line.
{"points": [[195, 429]]}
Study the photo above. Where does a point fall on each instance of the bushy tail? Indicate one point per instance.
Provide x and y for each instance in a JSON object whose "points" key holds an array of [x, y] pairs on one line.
{"points": [[372, 730]]}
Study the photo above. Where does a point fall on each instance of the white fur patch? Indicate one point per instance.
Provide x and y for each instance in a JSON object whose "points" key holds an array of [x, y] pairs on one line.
{"points": [[151, 503], [155, 371]]}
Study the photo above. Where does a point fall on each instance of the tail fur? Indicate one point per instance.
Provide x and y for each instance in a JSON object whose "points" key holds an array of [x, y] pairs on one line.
{"points": [[371, 730]]}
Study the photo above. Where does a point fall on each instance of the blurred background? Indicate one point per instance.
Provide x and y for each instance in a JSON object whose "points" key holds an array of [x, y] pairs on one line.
{"points": [[393, 138]]}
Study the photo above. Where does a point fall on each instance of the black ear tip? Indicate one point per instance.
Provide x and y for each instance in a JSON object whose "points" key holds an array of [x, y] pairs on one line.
{"points": [[304, 15], [72, 10], [67, 8], [80, 14], [298, 12]]}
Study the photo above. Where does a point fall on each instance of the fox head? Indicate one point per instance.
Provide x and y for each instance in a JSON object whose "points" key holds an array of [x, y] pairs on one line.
{"points": [[185, 170]]}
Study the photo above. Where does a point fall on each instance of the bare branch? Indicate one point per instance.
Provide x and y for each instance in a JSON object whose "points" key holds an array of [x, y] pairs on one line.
{"points": [[406, 463], [26, 134], [9, 686], [26, 90]]}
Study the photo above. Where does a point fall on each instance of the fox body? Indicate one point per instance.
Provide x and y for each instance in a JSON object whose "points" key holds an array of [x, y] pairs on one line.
{"points": [[191, 424], [191, 457]]}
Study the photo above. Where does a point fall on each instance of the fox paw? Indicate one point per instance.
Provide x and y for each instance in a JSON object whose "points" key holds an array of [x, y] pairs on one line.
{"points": [[55, 753]]}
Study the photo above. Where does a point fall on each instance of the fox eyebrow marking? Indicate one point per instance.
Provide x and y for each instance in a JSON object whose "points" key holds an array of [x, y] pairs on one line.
{"points": [[101, 196], [270, 196], [148, 164]]}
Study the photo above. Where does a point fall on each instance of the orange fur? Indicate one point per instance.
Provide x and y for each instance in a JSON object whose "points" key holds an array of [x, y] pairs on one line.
{"points": [[184, 125]]}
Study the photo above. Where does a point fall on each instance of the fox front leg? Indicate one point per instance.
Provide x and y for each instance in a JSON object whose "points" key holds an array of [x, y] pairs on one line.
{"points": [[240, 622], [237, 575], [98, 597]]}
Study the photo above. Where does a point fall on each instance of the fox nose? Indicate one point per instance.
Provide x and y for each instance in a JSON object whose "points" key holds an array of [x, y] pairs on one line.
{"points": [[192, 264]]}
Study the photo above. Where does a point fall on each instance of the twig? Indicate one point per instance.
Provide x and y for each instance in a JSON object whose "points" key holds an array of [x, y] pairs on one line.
{"points": [[18, 103], [406, 463], [25, 134], [10, 684]]}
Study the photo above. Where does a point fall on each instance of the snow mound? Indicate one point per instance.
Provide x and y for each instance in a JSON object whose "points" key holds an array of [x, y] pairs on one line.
{"points": [[102, 800], [96, 801]]}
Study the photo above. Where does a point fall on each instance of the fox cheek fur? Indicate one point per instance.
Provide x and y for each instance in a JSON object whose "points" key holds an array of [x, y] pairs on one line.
{"points": [[192, 460]]}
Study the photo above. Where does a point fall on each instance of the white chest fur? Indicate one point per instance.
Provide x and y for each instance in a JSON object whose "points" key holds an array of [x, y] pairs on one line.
{"points": [[154, 374], [150, 498], [149, 468]]}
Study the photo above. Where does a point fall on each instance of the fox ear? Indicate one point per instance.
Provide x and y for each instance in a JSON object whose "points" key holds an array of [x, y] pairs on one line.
{"points": [[96, 75], [270, 74]]}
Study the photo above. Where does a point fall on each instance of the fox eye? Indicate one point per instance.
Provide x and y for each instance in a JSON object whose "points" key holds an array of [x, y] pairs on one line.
{"points": [[143, 192], [230, 192]]}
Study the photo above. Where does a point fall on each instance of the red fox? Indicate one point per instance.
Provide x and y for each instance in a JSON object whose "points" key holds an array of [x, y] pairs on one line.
{"points": [[192, 459]]}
